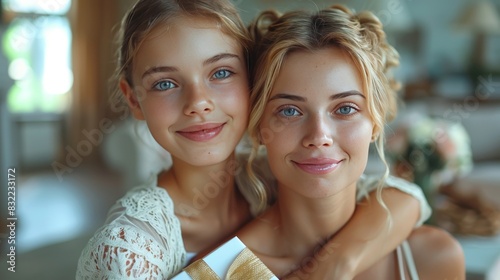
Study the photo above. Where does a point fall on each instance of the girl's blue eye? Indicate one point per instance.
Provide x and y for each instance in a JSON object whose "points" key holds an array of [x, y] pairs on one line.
{"points": [[164, 85], [222, 74], [289, 112], [346, 110]]}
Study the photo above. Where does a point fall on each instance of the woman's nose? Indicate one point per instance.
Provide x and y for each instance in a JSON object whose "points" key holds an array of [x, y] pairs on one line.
{"points": [[318, 134]]}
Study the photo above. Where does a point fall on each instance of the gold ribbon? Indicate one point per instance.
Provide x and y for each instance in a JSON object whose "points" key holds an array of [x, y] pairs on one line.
{"points": [[245, 266]]}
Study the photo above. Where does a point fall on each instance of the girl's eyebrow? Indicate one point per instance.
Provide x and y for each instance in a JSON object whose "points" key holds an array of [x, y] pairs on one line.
{"points": [[210, 60], [220, 56], [158, 69], [303, 99]]}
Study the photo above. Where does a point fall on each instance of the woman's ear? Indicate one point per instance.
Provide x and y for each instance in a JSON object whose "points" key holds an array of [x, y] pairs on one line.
{"points": [[133, 103], [375, 134]]}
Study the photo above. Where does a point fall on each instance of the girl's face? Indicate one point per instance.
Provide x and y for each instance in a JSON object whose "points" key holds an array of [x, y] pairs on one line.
{"points": [[191, 87], [316, 125]]}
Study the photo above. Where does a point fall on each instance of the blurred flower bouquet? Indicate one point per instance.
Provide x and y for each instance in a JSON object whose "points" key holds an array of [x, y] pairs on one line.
{"points": [[429, 152]]}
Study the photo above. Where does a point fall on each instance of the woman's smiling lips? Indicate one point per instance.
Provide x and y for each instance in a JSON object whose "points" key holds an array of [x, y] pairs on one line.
{"points": [[202, 132], [317, 166]]}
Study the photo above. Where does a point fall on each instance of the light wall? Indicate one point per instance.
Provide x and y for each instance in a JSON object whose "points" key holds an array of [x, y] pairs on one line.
{"points": [[444, 49]]}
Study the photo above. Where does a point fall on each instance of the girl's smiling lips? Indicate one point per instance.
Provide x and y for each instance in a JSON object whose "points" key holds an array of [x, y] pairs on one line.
{"points": [[202, 132], [317, 166]]}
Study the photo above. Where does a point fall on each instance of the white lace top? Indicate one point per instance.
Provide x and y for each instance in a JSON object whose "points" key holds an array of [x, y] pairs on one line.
{"points": [[141, 238]]}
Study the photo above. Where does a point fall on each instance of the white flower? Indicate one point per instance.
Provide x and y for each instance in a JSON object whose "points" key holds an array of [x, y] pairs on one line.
{"points": [[444, 146], [463, 157]]}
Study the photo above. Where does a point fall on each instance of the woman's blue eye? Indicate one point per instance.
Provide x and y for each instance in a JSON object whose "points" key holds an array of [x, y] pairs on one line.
{"points": [[164, 85], [222, 74], [346, 110], [289, 112]]}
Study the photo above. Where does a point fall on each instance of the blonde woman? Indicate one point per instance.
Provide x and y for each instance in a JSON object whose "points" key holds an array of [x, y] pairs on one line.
{"points": [[322, 94]]}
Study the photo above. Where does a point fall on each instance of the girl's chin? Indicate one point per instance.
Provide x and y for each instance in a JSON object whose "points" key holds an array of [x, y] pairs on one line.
{"points": [[208, 158]]}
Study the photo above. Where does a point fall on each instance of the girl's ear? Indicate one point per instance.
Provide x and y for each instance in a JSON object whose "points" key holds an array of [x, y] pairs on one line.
{"points": [[133, 103], [259, 137]]}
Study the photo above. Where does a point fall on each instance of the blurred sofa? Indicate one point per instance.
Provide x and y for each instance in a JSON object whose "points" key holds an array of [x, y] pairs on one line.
{"points": [[481, 120], [131, 150]]}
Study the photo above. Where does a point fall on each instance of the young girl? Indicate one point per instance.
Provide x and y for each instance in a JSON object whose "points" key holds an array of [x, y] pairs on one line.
{"points": [[322, 78], [183, 70]]}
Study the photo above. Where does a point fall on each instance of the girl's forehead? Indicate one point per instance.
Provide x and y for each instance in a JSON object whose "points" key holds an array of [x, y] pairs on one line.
{"points": [[184, 26], [186, 22], [191, 30], [183, 42]]}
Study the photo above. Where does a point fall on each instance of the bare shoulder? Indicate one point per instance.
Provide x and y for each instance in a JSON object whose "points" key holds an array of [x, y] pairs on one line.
{"points": [[264, 237], [260, 234], [437, 254]]}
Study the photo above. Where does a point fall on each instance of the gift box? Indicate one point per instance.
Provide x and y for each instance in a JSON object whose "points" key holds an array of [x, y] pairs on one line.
{"points": [[232, 260]]}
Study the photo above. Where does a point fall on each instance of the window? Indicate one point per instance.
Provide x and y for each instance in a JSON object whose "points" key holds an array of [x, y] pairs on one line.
{"points": [[37, 44]]}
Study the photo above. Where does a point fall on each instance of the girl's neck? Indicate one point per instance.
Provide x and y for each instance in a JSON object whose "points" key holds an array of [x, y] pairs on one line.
{"points": [[309, 223], [208, 189], [205, 200]]}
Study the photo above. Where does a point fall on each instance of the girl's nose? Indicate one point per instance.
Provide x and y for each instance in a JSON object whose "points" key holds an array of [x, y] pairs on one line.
{"points": [[198, 101]]}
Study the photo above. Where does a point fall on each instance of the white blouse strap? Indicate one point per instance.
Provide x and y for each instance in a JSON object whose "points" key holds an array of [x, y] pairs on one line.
{"points": [[401, 267], [412, 269]]}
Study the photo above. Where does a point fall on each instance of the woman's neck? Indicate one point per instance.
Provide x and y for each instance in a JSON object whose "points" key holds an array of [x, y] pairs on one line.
{"points": [[308, 223]]}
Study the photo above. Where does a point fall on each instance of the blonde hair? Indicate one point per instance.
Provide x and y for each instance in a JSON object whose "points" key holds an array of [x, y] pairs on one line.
{"points": [[360, 35]]}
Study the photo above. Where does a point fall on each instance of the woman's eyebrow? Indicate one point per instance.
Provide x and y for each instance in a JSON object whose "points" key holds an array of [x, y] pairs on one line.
{"points": [[346, 94], [303, 99], [288, 96]]}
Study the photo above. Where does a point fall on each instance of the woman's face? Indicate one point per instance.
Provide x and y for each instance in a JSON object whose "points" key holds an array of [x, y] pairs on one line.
{"points": [[191, 85], [316, 125]]}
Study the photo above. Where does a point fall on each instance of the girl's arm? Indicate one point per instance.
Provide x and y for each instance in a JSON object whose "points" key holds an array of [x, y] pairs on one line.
{"points": [[367, 237]]}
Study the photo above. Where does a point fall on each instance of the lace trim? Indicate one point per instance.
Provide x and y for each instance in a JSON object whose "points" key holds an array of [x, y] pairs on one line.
{"points": [[143, 241], [154, 206]]}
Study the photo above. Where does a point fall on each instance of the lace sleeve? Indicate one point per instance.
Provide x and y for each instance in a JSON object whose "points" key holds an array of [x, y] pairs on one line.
{"points": [[141, 241], [122, 253]]}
